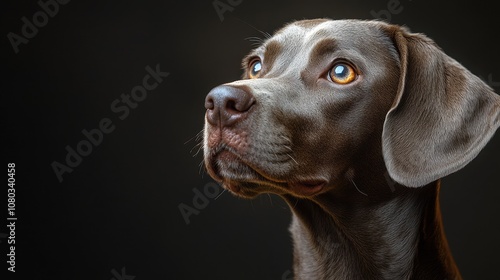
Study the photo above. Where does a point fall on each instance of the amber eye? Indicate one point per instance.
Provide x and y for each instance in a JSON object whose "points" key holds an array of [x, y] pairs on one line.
{"points": [[254, 69], [342, 73]]}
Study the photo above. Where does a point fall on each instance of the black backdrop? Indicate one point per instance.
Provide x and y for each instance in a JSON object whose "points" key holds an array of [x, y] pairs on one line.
{"points": [[117, 215]]}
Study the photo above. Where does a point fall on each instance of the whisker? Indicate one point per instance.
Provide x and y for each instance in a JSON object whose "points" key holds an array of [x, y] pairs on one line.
{"points": [[195, 146], [199, 146], [196, 137], [270, 199], [267, 35], [201, 170], [223, 191], [295, 204], [293, 159], [352, 181], [256, 41]]}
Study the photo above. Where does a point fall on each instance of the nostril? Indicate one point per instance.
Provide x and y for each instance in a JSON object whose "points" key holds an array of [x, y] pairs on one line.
{"points": [[226, 104], [241, 104], [209, 103], [231, 106], [236, 106]]}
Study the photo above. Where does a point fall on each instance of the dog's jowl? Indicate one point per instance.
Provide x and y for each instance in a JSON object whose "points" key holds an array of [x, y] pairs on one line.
{"points": [[352, 123]]}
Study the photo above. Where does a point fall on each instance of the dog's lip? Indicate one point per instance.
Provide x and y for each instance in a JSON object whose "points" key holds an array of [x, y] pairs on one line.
{"points": [[303, 187], [227, 153], [235, 188], [307, 187]]}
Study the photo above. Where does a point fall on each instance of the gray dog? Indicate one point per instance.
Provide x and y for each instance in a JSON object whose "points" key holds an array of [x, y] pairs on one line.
{"points": [[352, 123]]}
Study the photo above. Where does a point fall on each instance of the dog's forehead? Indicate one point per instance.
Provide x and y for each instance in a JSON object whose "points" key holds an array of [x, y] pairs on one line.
{"points": [[307, 32]]}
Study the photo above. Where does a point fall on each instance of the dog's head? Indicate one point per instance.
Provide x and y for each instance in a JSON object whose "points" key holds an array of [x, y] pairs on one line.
{"points": [[323, 101]]}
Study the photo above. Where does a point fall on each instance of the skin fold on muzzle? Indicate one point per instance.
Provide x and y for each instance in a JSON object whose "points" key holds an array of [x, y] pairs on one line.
{"points": [[352, 123]]}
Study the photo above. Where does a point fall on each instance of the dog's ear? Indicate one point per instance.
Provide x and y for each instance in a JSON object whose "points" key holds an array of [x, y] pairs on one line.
{"points": [[442, 115]]}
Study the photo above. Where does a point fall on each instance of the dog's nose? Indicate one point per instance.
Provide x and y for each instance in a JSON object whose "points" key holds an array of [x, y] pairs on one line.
{"points": [[226, 105]]}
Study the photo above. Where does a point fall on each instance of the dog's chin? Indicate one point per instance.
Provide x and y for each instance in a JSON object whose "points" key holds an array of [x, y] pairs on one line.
{"points": [[244, 180], [238, 177], [243, 189]]}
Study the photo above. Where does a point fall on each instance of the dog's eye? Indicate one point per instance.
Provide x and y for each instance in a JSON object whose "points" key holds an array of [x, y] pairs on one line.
{"points": [[342, 73], [255, 68]]}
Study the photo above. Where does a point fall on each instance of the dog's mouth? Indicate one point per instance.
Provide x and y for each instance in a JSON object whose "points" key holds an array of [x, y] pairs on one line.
{"points": [[244, 178], [236, 174]]}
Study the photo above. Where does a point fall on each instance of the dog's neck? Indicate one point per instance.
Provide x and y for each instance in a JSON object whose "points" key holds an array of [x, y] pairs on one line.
{"points": [[371, 231]]}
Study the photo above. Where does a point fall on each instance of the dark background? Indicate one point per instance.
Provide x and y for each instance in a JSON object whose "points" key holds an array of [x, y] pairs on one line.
{"points": [[118, 209]]}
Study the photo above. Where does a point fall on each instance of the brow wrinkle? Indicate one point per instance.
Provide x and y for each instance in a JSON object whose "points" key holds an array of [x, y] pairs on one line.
{"points": [[271, 52], [321, 51], [323, 48]]}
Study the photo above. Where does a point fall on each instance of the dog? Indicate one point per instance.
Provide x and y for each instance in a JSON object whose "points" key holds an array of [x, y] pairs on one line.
{"points": [[352, 123]]}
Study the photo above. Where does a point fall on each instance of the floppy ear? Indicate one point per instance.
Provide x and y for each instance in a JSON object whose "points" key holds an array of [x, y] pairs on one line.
{"points": [[442, 115]]}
